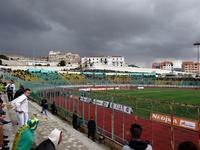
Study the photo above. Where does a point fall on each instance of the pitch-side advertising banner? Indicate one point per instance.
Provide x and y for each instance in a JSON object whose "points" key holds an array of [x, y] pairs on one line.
{"points": [[179, 122], [85, 99], [99, 89], [122, 108], [107, 104], [100, 102]]}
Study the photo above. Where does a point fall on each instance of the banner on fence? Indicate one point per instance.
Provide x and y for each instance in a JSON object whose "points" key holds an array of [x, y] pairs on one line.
{"points": [[100, 102], [85, 99], [179, 122], [122, 108], [99, 89], [107, 104]]}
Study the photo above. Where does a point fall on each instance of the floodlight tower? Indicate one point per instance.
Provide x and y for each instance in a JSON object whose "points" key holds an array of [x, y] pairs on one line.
{"points": [[197, 44]]}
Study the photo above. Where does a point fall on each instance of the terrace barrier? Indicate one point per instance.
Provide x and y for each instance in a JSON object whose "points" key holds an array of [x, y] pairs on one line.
{"points": [[158, 119]]}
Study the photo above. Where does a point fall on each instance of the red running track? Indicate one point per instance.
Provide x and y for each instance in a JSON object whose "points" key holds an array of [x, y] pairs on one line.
{"points": [[160, 135]]}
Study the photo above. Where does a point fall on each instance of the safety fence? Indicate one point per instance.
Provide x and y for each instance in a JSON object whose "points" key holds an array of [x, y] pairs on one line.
{"points": [[164, 125]]}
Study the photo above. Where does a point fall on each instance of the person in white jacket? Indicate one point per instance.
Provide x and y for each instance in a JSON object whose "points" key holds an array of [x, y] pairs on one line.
{"points": [[136, 143], [20, 105]]}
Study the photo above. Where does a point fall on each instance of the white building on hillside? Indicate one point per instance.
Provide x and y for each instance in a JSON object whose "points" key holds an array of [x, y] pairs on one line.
{"points": [[56, 56], [114, 61]]}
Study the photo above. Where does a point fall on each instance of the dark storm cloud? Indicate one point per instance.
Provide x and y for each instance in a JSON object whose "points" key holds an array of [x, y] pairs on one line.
{"points": [[16, 16], [140, 30]]}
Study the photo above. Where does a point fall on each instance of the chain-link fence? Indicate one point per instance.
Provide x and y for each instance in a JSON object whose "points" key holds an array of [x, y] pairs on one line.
{"points": [[164, 124]]}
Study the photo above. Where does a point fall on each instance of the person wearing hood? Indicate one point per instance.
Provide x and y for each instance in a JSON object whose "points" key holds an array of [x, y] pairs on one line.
{"points": [[136, 143], [24, 137], [53, 140]]}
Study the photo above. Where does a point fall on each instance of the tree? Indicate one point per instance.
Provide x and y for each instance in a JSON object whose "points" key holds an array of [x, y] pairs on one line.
{"points": [[62, 63], [4, 57]]}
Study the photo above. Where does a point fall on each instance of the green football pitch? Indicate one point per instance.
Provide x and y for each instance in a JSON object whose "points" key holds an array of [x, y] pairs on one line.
{"points": [[186, 102], [186, 96]]}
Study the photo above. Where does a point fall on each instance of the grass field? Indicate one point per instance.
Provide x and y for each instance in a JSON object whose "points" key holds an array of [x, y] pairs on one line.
{"points": [[140, 101], [186, 96]]}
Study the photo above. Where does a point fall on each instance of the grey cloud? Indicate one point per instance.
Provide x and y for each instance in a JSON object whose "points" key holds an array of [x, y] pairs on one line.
{"points": [[141, 30], [17, 16]]}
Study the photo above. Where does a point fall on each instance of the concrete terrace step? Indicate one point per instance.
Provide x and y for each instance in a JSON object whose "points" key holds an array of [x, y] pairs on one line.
{"points": [[72, 139]]}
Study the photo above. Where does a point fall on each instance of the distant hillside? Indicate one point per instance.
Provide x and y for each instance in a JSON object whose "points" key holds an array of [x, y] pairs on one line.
{"points": [[133, 66]]}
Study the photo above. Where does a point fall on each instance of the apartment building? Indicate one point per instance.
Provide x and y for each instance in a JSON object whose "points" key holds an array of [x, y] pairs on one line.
{"points": [[190, 66], [115, 61], [164, 65]]}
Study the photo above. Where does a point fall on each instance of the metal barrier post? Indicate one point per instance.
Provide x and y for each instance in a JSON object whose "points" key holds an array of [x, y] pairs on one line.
{"points": [[72, 103], [87, 95], [199, 126], [172, 126], [96, 114], [112, 125], [123, 124], [152, 141]]}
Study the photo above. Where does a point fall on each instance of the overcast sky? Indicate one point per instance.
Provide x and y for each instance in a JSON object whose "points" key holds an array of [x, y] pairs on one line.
{"points": [[140, 30]]}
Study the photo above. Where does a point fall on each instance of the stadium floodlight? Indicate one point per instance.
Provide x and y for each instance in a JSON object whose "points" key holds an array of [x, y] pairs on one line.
{"points": [[197, 44]]}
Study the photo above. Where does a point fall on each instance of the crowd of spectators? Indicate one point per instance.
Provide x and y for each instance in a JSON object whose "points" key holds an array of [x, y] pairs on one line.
{"points": [[24, 75]]}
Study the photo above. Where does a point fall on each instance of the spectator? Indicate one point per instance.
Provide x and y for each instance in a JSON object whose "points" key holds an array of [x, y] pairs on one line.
{"points": [[187, 145], [53, 108], [2, 113], [75, 120], [91, 128], [19, 92], [21, 107], [136, 143], [44, 105], [80, 122], [53, 140], [1, 95], [24, 137], [10, 89]]}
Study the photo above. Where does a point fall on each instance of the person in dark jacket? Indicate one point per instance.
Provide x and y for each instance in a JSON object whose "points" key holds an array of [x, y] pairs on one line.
{"points": [[91, 128], [136, 143], [19, 92], [2, 113], [10, 89], [187, 145], [75, 120], [44, 105], [53, 108], [53, 140]]}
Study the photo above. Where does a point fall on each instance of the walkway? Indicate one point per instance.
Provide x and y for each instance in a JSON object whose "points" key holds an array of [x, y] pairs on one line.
{"points": [[72, 139]]}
